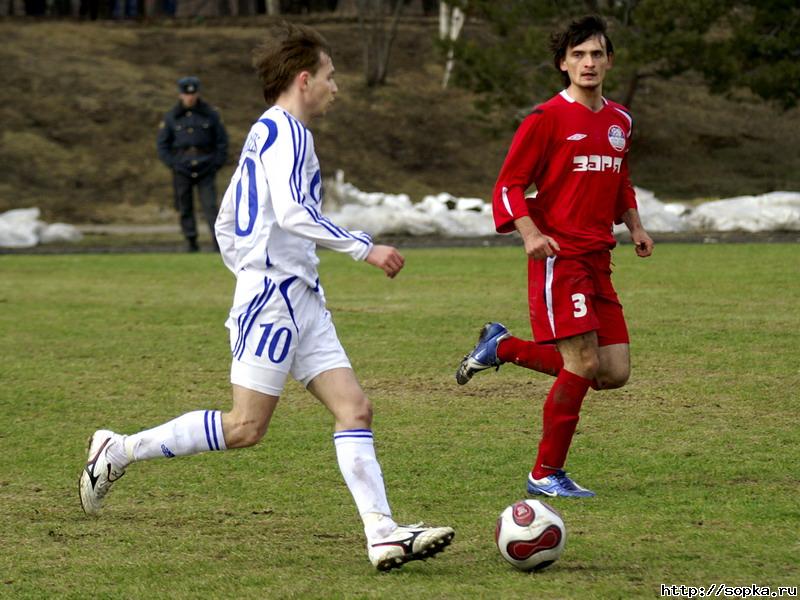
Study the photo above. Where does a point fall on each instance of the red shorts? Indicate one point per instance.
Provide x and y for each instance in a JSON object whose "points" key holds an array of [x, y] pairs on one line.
{"points": [[569, 296]]}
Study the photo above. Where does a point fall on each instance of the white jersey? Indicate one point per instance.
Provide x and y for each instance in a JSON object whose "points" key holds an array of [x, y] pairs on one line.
{"points": [[271, 214]]}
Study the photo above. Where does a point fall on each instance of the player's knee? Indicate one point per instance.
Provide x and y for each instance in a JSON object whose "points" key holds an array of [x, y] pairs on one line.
{"points": [[356, 414], [363, 412], [585, 364], [613, 379], [589, 365], [244, 433]]}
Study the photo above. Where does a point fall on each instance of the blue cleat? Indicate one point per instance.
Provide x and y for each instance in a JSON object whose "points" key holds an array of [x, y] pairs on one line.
{"points": [[557, 484], [484, 354]]}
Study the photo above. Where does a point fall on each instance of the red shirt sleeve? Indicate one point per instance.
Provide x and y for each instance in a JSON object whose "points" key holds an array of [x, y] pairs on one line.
{"points": [[627, 195], [519, 170]]}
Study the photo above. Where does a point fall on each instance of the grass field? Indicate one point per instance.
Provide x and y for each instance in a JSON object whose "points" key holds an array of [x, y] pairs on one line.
{"points": [[695, 462]]}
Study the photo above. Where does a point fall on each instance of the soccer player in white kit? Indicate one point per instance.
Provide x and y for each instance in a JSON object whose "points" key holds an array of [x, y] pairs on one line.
{"points": [[268, 227]]}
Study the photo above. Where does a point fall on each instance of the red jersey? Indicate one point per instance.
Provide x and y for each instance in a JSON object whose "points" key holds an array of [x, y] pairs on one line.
{"points": [[578, 160]]}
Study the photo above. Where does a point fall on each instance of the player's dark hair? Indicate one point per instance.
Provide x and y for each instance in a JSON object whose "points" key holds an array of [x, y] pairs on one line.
{"points": [[575, 34], [286, 51]]}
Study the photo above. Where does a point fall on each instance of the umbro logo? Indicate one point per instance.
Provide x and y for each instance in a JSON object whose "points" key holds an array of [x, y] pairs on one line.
{"points": [[575, 137]]}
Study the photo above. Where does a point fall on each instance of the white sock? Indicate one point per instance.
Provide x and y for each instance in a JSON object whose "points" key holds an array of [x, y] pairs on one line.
{"points": [[377, 526], [192, 433], [355, 453]]}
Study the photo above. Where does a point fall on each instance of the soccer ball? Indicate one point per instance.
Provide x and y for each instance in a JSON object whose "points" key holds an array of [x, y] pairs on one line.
{"points": [[530, 535]]}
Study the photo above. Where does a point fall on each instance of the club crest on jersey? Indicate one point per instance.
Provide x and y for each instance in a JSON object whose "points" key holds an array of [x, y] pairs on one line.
{"points": [[616, 137]]}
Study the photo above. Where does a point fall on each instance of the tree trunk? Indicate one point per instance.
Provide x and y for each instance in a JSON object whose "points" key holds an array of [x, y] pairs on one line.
{"points": [[449, 30], [273, 7], [633, 86], [376, 41], [444, 20]]}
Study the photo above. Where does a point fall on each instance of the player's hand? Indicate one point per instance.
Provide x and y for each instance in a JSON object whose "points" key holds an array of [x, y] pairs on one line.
{"points": [[642, 243], [539, 246], [386, 258]]}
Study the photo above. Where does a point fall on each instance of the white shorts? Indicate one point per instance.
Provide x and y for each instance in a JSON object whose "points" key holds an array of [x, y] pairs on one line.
{"points": [[277, 327]]}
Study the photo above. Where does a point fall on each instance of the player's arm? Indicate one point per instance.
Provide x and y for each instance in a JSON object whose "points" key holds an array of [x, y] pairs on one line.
{"points": [[642, 241], [518, 172], [537, 245], [282, 157], [628, 213], [387, 259]]}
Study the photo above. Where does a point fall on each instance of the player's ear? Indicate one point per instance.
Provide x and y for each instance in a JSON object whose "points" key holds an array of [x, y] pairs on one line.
{"points": [[302, 79], [610, 59]]}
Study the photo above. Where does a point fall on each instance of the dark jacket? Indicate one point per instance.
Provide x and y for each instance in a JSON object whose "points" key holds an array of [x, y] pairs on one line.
{"points": [[192, 141]]}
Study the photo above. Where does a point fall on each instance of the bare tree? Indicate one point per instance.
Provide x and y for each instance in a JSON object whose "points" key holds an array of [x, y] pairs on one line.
{"points": [[376, 40], [451, 20]]}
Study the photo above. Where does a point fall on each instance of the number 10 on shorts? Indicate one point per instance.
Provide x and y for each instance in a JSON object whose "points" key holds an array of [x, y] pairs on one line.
{"points": [[281, 338]]}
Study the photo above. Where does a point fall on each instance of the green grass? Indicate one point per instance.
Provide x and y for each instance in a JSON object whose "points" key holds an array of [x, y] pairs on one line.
{"points": [[695, 461]]}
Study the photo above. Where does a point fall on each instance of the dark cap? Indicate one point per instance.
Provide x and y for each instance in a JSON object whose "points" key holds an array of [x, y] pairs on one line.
{"points": [[188, 85]]}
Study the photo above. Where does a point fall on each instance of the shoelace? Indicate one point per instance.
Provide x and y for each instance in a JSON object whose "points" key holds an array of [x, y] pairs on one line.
{"points": [[566, 482]]}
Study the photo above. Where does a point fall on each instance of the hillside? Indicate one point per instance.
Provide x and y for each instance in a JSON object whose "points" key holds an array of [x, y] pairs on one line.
{"points": [[81, 102]]}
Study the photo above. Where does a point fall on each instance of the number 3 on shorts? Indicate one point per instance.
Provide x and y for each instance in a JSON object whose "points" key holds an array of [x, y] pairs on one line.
{"points": [[279, 337], [579, 301]]}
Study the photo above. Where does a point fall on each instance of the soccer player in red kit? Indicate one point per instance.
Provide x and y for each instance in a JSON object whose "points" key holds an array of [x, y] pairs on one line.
{"points": [[574, 148]]}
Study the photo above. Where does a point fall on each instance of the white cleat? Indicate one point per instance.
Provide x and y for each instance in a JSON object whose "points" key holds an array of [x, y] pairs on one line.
{"points": [[407, 543], [99, 474]]}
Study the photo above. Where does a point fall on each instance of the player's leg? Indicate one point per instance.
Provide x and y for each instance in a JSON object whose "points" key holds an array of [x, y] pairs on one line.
{"points": [[389, 545], [615, 367], [192, 433], [342, 395], [257, 380], [560, 415], [544, 358], [184, 204], [321, 364], [562, 311], [202, 431], [262, 347], [612, 335], [497, 346]]}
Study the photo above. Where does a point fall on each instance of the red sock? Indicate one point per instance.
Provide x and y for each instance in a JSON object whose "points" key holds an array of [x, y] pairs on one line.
{"points": [[560, 417], [544, 358]]}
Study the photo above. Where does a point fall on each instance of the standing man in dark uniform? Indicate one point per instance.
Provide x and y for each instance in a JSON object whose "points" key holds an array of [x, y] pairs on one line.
{"points": [[193, 143]]}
